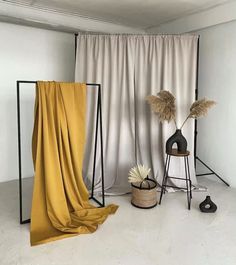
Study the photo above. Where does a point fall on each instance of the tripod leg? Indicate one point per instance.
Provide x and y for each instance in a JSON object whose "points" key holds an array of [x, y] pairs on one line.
{"points": [[167, 172], [214, 173]]}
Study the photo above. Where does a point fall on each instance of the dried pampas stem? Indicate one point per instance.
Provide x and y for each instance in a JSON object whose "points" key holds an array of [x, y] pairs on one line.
{"points": [[164, 105]]}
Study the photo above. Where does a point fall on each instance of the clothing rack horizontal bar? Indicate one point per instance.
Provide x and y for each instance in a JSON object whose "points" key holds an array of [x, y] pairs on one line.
{"points": [[35, 82]]}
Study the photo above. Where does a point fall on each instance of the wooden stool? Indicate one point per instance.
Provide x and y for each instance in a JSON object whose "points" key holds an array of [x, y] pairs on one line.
{"points": [[174, 152]]}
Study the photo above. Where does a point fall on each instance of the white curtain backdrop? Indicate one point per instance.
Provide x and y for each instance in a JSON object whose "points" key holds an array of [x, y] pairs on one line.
{"points": [[130, 67]]}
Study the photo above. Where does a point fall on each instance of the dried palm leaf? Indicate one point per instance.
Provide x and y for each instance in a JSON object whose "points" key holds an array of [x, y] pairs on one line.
{"points": [[138, 173], [164, 105]]}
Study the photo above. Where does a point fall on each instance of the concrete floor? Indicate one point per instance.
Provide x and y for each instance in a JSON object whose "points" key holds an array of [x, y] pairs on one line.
{"points": [[167, 235]]}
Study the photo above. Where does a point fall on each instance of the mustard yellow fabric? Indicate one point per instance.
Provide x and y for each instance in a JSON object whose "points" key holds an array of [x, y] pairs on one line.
{"points": [[60, 205]]}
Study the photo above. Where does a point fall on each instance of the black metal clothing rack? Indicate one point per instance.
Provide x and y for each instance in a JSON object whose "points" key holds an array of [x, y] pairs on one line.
{"points": [[196, 158], [98, 124]]}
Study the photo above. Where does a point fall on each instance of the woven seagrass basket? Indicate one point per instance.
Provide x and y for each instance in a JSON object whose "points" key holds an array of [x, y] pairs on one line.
{"points": [[144, 194]]}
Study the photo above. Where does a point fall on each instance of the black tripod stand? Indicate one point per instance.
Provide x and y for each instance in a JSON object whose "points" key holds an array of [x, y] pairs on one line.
{"points": [[196, 158]]}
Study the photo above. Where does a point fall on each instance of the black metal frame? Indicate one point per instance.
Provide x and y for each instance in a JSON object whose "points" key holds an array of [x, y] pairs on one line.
{"points": [[196, 158], [98, 118], [187, 179]]}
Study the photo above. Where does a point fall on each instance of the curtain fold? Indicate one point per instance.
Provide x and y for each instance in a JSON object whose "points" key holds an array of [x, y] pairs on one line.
{"points": [[60, 206], [130, 67], [109, 60], [164, 63]]}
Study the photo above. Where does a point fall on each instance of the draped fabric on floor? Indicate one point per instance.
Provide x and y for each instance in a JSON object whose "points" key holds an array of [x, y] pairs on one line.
{"points": [[60, 206], [130, 67]]}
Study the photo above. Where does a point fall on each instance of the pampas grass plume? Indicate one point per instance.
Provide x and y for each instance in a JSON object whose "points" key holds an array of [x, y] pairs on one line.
{"points": [[200, 108], [163, 105]]}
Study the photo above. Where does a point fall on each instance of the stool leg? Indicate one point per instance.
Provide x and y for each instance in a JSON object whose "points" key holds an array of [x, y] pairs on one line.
{"points": [[167, 172], [164, 178], [189, 178], [187, 184], [190, 189]]}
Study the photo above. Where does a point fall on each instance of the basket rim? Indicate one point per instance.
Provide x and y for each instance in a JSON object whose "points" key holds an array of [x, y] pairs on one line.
{"points": [[145, 188], [141, 207]]}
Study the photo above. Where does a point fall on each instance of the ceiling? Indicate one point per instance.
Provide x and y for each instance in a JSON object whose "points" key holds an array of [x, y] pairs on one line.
{"points": [[142, 14]]}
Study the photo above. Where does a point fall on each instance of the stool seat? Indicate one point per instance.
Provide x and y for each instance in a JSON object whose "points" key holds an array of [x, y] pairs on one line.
{"points": [[184, 155], [175, 152]]}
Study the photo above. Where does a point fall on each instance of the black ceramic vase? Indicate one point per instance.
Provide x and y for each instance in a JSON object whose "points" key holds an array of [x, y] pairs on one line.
{"points": [[179, 139], [208, 206]]}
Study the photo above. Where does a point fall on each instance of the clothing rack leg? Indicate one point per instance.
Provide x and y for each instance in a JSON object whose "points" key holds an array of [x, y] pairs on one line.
{"points": [[19, 149], [101, 142], [95, 147]]}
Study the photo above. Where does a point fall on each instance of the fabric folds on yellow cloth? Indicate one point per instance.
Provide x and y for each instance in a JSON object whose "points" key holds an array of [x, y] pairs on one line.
{"points": [[60, 205]]}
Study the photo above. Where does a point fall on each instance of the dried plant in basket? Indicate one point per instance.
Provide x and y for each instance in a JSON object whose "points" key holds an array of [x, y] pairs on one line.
{"points": [[144, 193], [138, 174]]}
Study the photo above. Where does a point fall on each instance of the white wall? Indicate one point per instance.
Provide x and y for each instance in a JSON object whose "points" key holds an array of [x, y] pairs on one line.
{"points": [[217, 80], [217, 15], [27, 53]]}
